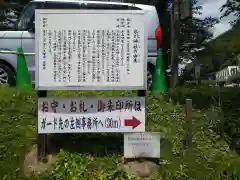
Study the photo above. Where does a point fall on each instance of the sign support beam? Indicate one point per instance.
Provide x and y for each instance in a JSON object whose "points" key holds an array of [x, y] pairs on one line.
{"points": [[101, 56], [42, 139], [141, 93]]}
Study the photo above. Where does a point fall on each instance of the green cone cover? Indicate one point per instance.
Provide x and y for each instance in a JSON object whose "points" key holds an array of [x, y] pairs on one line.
{"points": [[159, 81], [23, 81]]}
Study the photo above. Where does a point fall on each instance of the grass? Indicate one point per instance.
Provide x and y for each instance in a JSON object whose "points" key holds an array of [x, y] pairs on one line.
{"points": [[98, 156], [17, 130]]}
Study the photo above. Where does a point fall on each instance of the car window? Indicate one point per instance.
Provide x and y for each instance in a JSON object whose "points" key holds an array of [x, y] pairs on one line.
{"points": [[27, 16]]}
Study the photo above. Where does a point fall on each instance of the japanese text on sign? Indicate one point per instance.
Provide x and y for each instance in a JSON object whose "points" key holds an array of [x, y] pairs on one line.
{"points": [[94, 53], [105, 114], [80, 106]]}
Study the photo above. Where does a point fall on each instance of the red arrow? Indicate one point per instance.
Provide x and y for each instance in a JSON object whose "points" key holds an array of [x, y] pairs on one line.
{"points": [[134, 122]]}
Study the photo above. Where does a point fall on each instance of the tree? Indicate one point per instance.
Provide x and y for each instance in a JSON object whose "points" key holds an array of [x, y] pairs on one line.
{"points": [[8, 14], [222, 51], [231, 7], [194, 35], [194, 32]]}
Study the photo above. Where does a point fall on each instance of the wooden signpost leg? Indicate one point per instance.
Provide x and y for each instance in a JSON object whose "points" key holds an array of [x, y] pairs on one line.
{"points": [[141, 93], [42, 139], [188, 111]]}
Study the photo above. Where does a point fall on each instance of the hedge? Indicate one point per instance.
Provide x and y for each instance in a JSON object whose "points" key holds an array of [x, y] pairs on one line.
{"points": [[205, 97]]}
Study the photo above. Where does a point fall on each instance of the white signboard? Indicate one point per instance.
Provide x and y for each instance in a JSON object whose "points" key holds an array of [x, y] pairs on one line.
{"points": [[91, 114], [89, 49], [139, 145]]}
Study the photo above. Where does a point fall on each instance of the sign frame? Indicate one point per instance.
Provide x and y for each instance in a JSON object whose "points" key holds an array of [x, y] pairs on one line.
{"points": [[127, 123], [37, 29]]}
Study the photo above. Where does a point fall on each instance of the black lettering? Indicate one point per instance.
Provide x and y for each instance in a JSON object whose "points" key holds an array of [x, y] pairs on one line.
{"points": [[95, 122], [43, 123], [78, 123], [108, 122], [137, 106], [73, 106], [83, 122], [61, 123], [54, 105], [89, 123], [44, 107], [100, 122], [110, 106], [72, 123], [119, 105], [54, 122], [129, 105], [66, 123], [49, 124], [115, 124], [111, 123], [82, 107], [101, 106]]}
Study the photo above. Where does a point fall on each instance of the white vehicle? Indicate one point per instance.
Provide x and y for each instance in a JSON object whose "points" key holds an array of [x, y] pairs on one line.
{"points": [[24, 35]]}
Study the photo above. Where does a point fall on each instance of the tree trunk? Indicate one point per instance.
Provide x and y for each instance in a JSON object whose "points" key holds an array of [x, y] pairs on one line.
{"points": [[175, 32], [1, 3]]}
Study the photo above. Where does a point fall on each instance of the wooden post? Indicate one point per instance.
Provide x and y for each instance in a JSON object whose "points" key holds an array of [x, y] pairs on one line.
{"points": [[188, 125], [42, 139], [142, 93]]}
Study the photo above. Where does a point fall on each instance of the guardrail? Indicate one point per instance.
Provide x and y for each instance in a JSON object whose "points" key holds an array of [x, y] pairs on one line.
{"points": [[17, 53]]}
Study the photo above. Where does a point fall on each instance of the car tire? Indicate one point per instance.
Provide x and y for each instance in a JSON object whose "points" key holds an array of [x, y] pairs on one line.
{"points": [[7, 76]]}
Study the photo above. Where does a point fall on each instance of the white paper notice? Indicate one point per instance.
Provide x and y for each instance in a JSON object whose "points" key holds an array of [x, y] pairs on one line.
{"points": [[89, 49], [146, 144]]}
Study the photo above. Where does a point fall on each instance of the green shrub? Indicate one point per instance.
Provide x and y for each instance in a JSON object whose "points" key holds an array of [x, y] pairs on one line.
{"points": [[209, 157], [204, 97]]}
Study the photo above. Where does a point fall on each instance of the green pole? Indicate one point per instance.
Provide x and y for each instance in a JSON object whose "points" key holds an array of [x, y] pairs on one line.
{"points": [[159, 81]]}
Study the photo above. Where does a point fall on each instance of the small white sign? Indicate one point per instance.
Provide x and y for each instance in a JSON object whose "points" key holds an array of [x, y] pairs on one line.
{"points": [[91, 114], [142, 145], [90, 49]]}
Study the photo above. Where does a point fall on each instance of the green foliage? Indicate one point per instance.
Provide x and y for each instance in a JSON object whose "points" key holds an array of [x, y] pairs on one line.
{"points": [[76, 166], [17, 130], [231, 7], [221, 51], [206, 160], [207, 96], [210, 155], [8, 15]]}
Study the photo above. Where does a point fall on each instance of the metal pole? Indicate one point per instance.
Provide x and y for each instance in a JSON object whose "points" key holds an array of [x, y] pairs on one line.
{"points": [[17, 53]]}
